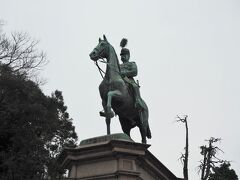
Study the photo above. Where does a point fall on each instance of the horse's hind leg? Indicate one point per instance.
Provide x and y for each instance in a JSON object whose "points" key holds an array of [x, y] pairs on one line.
{"points": [[125, 126], [127, 131]]}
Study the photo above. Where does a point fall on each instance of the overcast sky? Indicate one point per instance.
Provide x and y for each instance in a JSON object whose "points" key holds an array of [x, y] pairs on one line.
{"points": [[187, 52]]}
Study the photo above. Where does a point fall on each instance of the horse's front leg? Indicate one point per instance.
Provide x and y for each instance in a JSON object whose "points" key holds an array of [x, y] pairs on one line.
{"points": [[107, 116], [104, 113], [110, 95], [108, 111]]}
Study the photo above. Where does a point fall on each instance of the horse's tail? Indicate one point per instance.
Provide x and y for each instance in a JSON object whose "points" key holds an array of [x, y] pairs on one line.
{"points": [[149, 135], [148, 131]]}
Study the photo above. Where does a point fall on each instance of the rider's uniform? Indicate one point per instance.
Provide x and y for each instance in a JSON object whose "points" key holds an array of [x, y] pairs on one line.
{"points": [[128, 71]]}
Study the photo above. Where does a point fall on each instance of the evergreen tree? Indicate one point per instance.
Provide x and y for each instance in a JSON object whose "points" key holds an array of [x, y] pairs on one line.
{"points": [[34, 128], [223, 172], [209, 158]]}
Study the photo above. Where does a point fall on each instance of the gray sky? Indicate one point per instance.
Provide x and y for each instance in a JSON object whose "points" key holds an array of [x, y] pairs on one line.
{"points": [[187, 52]]}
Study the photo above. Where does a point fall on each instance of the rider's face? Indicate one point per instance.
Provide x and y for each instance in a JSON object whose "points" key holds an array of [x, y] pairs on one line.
{"points": [[125, 57]]}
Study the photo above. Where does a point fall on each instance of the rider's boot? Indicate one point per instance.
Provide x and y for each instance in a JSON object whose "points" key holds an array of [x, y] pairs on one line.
{"points": [[138, 100]]}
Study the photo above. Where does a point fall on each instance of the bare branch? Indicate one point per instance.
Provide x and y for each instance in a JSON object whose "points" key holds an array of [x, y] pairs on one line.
{"points": [[20, 53], [179, 119]]}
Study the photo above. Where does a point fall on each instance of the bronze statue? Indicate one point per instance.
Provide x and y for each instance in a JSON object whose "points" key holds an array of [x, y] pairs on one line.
{"points": [[117, 92]]}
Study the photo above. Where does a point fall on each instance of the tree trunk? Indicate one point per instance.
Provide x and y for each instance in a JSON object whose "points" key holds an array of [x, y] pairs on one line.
{"points": [[204, 163], [209, 159], [185, 166]]}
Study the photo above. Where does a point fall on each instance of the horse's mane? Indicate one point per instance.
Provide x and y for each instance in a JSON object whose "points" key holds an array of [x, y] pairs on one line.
{"points": [[116, 57]]}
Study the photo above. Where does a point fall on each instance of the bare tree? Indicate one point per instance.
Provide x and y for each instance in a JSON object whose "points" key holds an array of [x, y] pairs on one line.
{"points": [[184, 157], [20, 53], [209, 157]]}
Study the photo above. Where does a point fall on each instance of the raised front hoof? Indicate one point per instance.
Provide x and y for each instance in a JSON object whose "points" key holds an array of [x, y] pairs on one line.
{"points": [[107, 115]]}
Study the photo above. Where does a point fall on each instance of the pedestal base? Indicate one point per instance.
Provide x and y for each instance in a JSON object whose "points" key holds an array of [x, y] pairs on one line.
{"points": [[113, 157]]}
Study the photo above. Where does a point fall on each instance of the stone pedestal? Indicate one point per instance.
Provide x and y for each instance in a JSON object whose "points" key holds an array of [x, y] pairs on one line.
{"points": [[113, 157]]}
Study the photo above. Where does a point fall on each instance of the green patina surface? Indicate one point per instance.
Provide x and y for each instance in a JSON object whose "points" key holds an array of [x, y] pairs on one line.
{"points": [[99, 139], [119, 92]]}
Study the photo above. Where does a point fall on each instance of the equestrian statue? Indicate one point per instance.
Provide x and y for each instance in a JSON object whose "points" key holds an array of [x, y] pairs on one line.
{"points": [[119, 91]]}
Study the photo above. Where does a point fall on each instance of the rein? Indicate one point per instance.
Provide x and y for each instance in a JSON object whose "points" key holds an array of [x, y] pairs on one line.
{"points": [[99, 69], [103, 61]]}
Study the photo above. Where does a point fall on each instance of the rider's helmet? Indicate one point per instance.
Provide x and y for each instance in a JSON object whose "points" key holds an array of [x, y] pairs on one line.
{"points": [[124, 50]]}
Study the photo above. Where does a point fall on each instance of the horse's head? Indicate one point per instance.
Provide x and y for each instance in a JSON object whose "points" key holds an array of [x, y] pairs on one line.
{"points": [[101, 50]]}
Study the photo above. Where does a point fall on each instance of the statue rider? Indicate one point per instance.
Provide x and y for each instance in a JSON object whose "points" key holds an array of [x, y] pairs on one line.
{"points": [[128, 71]]}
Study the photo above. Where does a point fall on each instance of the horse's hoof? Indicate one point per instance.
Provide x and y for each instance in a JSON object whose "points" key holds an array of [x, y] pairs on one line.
{"points": [[107, 115]]}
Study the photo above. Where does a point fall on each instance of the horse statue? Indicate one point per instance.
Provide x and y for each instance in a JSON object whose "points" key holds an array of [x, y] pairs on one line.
{"points": [[116, 94]]}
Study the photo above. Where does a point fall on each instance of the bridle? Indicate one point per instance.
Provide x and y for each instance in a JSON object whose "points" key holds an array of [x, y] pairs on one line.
{"points": [[102, 60]]}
